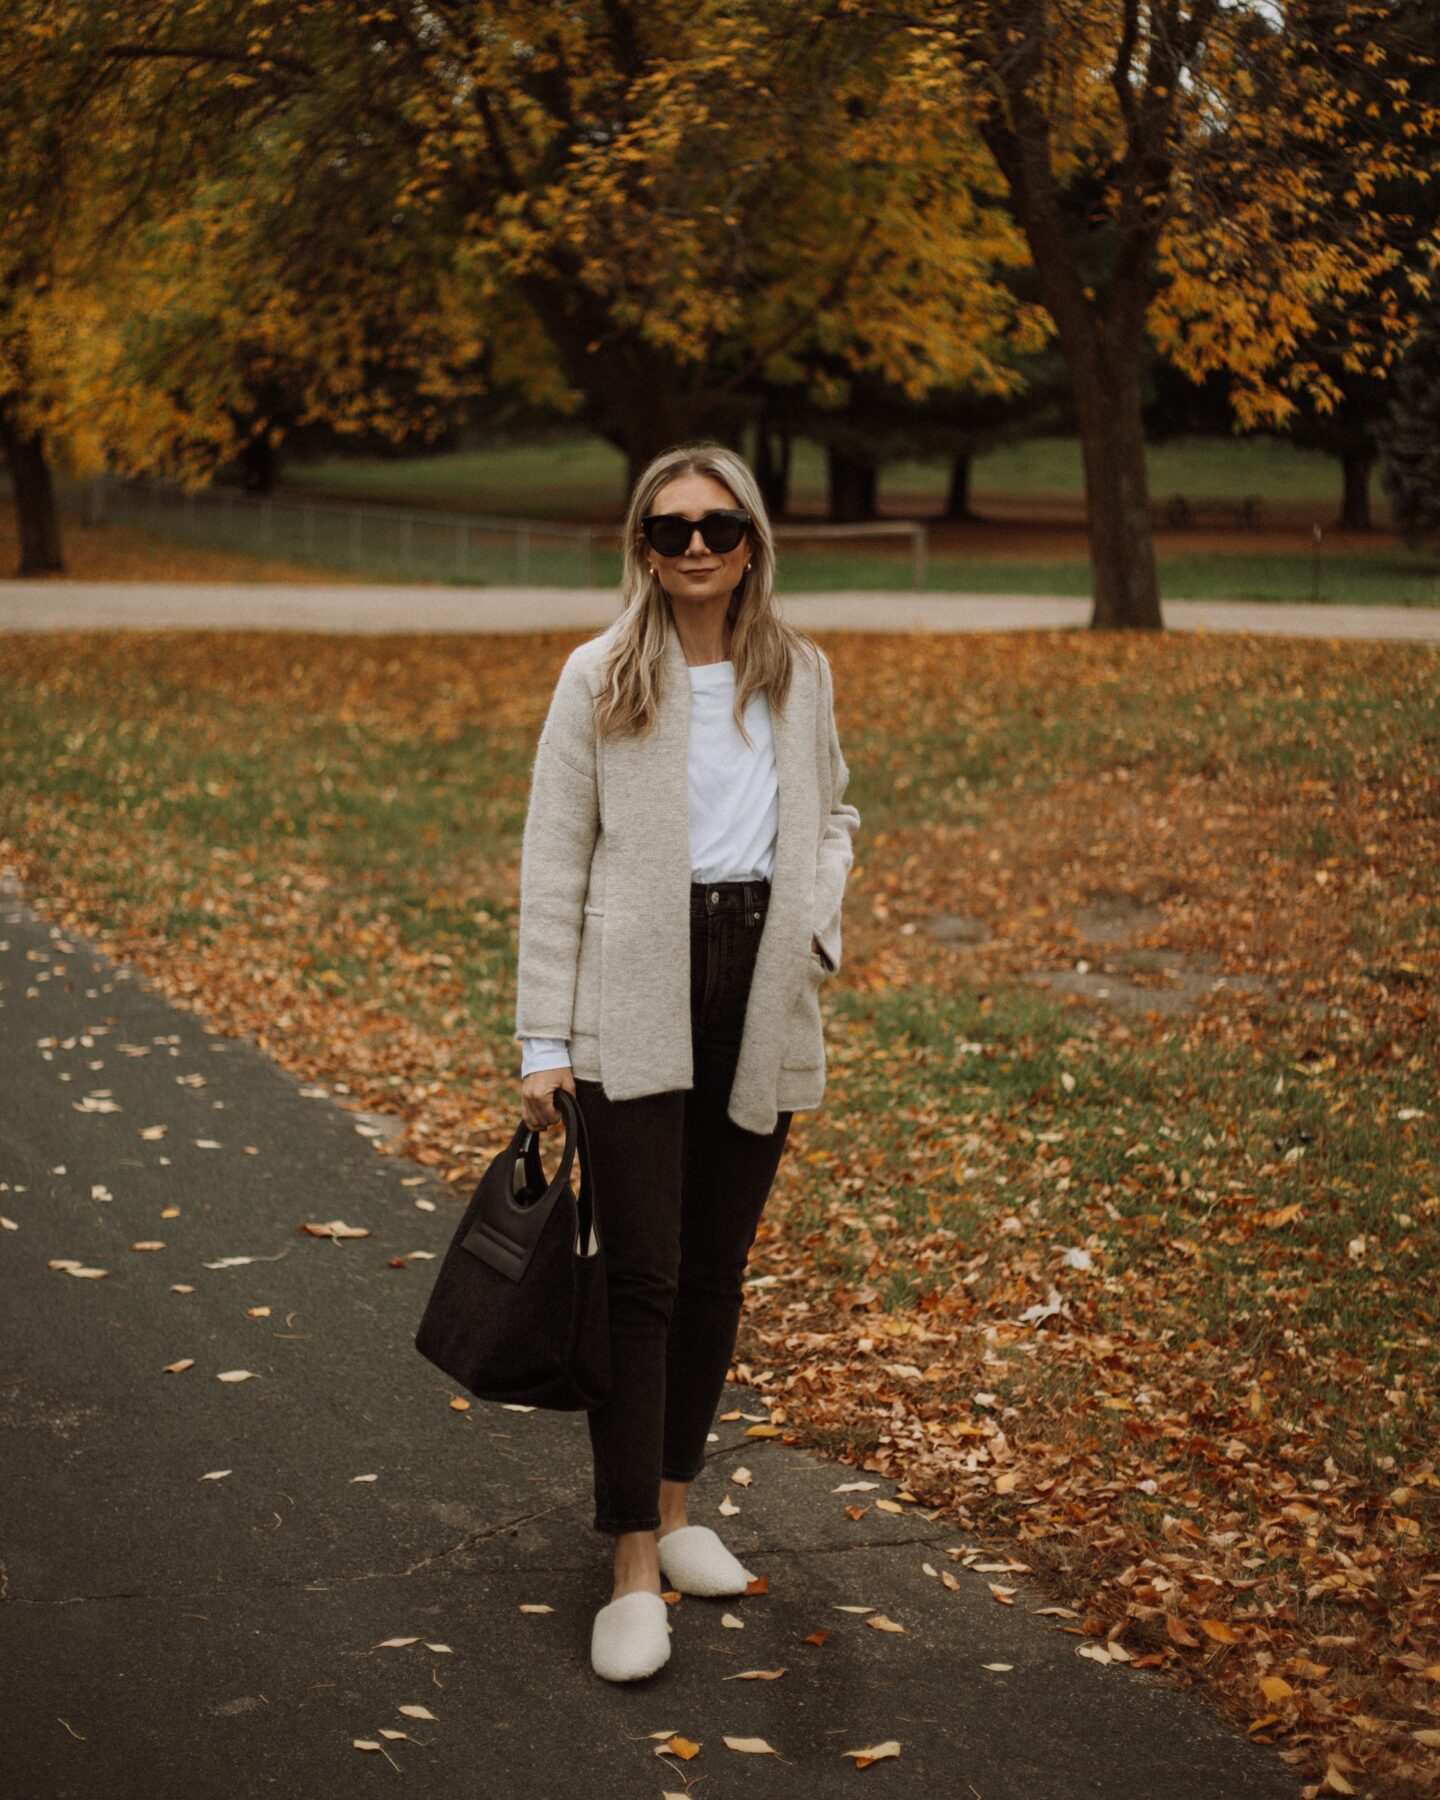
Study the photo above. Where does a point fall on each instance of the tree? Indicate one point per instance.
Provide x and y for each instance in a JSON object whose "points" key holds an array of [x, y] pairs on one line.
{"points": [[1410, 435], [1200, 137], [676, 226]]}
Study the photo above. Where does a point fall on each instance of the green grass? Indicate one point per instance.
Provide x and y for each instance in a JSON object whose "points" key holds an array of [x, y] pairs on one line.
{"points": [[585, 476], [426, 551], [1174, 1151]]}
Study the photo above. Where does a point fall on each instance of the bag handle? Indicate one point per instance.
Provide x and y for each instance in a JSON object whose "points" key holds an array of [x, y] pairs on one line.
{"points": [[533, 1183]]}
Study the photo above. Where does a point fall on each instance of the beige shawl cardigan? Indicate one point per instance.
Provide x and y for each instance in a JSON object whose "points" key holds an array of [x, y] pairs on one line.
{"points": [[605, 894]]}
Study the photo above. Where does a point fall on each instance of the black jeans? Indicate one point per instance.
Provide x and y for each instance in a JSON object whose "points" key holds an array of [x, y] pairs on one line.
{"points": [[680, 1189]]}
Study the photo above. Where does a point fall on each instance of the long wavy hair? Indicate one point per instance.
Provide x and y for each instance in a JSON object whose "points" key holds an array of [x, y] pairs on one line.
{"points": [[761, 645]]}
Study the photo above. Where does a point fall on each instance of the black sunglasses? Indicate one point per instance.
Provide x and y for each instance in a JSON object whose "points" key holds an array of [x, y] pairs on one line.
{"points": [[669, 534]]}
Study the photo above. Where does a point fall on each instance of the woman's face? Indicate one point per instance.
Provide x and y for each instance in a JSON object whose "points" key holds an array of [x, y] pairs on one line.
{"points": [[699, 575]]}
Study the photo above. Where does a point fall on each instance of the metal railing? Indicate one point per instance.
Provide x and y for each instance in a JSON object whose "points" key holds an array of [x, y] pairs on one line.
{"points": [[474, 549]]}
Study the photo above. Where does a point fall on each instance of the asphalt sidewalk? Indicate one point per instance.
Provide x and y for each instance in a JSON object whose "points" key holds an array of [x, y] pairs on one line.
{"points": [[248, 606], [178, 1637]]}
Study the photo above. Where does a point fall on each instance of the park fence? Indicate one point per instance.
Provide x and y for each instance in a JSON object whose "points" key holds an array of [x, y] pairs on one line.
{"points": [[418, 543]]}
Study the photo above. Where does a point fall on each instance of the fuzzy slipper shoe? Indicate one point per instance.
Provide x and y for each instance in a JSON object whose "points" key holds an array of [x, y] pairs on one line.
{"points": [[631, 1637], [693, 1559]]}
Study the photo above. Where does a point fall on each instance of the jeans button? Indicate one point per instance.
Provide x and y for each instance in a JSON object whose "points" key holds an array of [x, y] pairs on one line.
{"points": [[714, 896]]}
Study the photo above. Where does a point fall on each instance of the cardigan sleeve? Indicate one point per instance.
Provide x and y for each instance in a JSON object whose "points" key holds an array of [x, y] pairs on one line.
{"points": [[836, 851], [562, 823]]}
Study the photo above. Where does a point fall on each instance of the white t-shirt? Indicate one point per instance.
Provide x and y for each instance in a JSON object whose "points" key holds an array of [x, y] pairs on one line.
{"points": [[734, 803]]}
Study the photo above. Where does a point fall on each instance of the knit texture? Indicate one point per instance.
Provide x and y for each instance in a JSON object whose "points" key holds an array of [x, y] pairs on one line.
{"points": [[604, 953]]}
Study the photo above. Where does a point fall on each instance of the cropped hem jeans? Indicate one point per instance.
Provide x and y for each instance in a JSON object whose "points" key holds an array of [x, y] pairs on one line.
{"points": [[680, 1189]]}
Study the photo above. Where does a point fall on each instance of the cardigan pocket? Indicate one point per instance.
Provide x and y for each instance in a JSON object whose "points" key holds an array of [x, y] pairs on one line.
{"points": [[805, 1040]]}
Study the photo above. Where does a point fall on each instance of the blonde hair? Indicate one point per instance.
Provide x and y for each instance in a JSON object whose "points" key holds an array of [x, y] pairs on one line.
{"points": [[762, 646]]}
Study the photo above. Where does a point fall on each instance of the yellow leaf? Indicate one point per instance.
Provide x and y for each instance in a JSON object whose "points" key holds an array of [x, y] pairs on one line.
{"points": [[881, 1623], [1275, 1688], [678, 1746], [890, 1506], [1219, 1630]]}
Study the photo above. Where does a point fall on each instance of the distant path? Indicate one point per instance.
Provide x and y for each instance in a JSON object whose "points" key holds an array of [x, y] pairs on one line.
{"points": [[245, 606]]}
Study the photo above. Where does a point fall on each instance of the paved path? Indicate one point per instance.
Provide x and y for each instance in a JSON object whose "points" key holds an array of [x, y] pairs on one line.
{"points": [[181, 1637], [242, 606]]}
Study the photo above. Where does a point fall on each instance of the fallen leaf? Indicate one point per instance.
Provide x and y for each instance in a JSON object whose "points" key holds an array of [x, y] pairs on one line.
{"points": [[216, 1475], [741, 1477], [237, 1375], [148, 1244], [675, 1745], [1219, 1630], [416, 1712], [881, 1623], [185, 1362], [364, 1477], [395, 1643], [890, 1506], [998, 1668], [537, 1609], [752, 1746], [756, 1675], [337, 1228], [731, 1623], [874, 1752]]}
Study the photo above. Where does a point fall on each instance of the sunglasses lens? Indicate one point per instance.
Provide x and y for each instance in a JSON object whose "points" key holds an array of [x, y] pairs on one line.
{"points": [[670, 533], [721, 534]]}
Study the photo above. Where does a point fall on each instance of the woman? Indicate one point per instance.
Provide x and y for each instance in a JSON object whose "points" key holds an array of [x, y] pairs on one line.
{"points": [[685, 855]]}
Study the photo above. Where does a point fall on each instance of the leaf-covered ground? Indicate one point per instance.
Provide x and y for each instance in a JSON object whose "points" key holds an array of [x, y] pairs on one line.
{"points": [[1149, 1293]]}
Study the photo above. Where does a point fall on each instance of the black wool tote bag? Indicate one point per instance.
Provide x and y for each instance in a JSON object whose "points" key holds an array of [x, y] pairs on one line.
{"points": [[518, 1311]]}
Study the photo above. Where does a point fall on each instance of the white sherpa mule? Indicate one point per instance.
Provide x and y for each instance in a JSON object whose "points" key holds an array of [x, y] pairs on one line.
{"points": [[631, 1637], [693, 1559]]}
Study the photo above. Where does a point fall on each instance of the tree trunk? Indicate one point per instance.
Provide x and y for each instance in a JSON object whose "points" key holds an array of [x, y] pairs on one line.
{"points": [[772, 466], [852, 482], [1357, 458], [957, 503], [35, 512], [259, 463], [1117, 499], [1101, 338]]}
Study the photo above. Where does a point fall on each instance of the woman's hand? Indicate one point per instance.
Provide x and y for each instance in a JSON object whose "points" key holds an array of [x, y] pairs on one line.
{"points": [[537, 1108]]}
